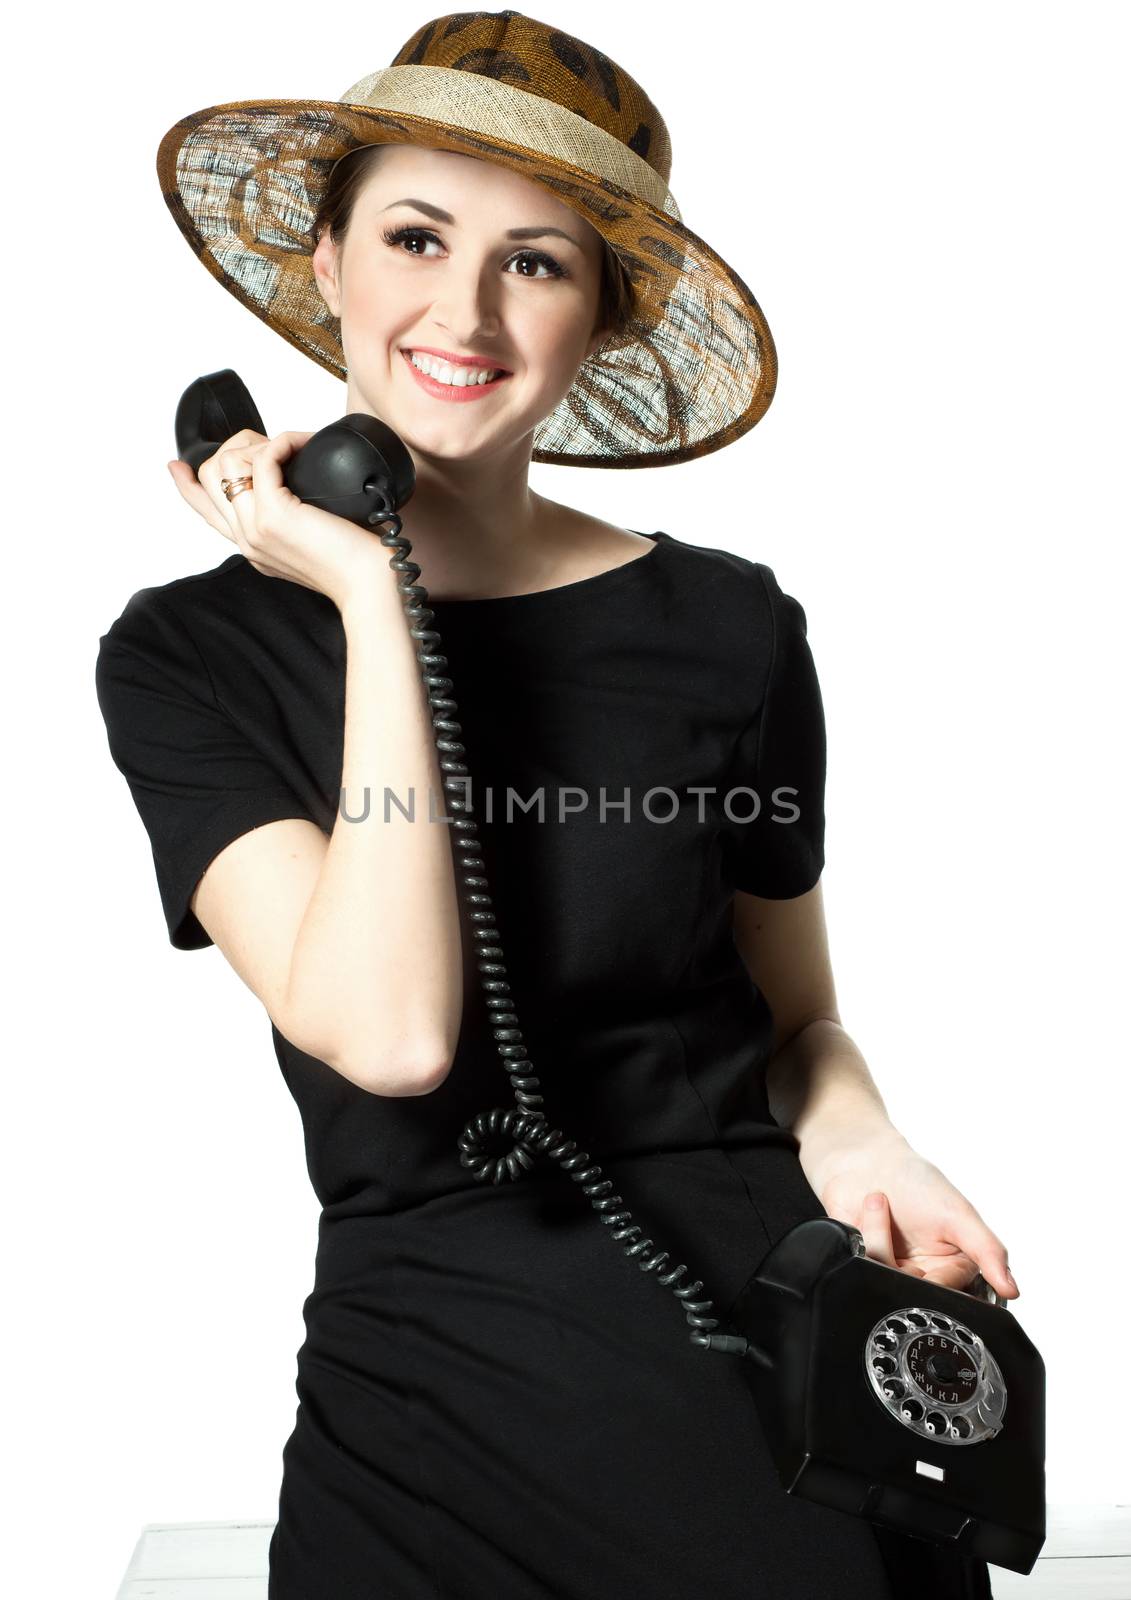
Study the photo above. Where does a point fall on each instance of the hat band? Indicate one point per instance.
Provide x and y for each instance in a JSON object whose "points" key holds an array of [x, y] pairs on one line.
{"points": [[498, 111]]}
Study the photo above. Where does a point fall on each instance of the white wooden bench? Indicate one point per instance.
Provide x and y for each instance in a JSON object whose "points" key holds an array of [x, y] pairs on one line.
{"points": [[1087, 1556]]}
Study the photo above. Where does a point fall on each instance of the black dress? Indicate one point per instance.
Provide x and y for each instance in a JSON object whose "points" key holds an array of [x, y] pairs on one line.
{"points": [[494, 1402]]}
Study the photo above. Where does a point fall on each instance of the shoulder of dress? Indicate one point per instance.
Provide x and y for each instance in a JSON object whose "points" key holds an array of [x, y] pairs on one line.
{"points": [[157, 622], [750, 586], [723, 562], [182, 600]]}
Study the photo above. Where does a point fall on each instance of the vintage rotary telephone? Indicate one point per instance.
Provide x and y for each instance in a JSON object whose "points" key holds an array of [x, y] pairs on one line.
{"points": [[917, 1407]]}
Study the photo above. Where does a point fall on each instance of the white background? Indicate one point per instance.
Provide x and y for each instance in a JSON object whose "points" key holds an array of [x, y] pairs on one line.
{"points": [[929, 203]]}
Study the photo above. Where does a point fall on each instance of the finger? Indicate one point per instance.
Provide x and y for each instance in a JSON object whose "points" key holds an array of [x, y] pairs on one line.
{"points": [[984, 1247], [228, 464], [243, 508], [875, 1225], [197, 496], [211, 470], [242, 437], [267, 461], [248, 516], [267, 497], [956, 1274], [269, 501], [251, 506], [261, 460]]}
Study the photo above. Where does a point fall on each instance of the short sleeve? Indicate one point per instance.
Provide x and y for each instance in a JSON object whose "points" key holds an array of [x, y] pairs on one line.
{"points": [[777, 848], [196, 780]]}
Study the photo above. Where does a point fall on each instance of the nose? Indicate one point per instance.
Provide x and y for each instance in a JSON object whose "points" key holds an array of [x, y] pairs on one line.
{"points": [[468, 308]]}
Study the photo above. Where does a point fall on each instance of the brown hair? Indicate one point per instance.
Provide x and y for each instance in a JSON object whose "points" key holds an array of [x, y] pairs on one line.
{"points": [[616, 306]]}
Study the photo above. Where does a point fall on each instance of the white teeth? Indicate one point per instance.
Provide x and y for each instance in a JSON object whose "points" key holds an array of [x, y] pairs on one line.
{"points": [[459, 377]]}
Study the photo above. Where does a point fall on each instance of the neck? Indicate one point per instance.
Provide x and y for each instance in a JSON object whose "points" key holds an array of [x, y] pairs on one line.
{"points": [[477, 528]]}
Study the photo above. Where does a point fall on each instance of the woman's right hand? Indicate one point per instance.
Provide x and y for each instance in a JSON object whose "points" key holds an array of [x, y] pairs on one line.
{"points": [[279, 534]]}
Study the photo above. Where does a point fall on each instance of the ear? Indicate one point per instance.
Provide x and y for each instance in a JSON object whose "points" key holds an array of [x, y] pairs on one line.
{"points": [[324, 261]]}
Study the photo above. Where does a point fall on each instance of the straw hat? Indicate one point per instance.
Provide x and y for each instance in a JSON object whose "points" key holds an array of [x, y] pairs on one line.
{"points": [[697, 367]]}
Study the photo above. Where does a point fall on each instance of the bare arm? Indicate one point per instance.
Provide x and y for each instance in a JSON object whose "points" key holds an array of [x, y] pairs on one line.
{"points": [[818, 1082], [353, 942]]}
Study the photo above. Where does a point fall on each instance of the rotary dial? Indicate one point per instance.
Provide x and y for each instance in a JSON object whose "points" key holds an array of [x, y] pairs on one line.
{"points": [[935, 1376]]}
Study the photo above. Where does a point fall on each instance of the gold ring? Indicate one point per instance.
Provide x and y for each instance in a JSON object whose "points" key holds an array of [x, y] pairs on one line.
{"points": [[234, 486]]}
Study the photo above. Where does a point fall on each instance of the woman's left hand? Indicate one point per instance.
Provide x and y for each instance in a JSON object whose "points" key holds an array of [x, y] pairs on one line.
{"points": [[922, 1225]]}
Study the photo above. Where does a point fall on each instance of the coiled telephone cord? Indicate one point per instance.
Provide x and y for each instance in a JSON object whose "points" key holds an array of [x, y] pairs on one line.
{"points": [[523, 1126]]}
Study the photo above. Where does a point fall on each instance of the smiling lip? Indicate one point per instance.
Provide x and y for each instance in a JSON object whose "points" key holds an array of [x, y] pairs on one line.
{"points": [[453, 360], [455, 394]]}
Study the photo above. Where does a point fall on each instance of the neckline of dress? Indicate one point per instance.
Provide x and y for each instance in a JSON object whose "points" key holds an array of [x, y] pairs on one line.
{"points": [[581, 587]]}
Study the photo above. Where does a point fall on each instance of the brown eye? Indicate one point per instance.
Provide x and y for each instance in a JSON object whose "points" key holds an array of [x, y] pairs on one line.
{"points": [[554, 269], [396, 235]]}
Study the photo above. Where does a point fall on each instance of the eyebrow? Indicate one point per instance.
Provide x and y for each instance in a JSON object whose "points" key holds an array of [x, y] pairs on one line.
{"points": [[437, 215]]}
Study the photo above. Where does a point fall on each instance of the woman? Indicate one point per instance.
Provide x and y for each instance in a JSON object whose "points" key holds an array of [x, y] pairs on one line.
{"points": [[491, 1402]]}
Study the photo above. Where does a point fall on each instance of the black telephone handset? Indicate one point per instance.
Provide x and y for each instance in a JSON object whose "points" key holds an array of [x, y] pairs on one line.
{"points": [[356, 468], [879, 1395]]}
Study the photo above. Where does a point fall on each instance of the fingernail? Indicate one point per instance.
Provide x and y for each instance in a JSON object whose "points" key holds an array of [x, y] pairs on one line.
{"points": [[874, 1202], [1012, 1281]]}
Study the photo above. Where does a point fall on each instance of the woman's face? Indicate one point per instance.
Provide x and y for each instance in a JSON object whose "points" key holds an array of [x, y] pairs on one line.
{"points": [[528, 305]]}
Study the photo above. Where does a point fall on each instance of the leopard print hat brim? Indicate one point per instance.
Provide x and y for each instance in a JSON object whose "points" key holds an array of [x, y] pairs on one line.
{"points": [[697, 368]]}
